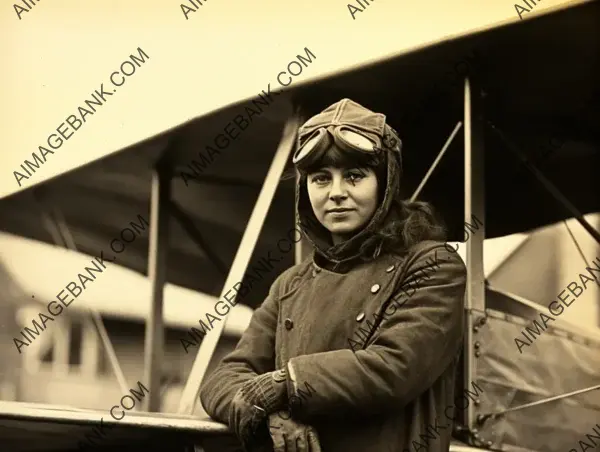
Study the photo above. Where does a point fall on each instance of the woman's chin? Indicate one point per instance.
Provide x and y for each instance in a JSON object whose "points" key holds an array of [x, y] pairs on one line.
{"points": [[343, 229]]}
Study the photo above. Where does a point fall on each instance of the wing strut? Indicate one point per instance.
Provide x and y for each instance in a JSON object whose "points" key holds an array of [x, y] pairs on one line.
{"points": [[436, 161], [474, 202], [158, 247], [482, 418], [587, 264], [241, 260]]}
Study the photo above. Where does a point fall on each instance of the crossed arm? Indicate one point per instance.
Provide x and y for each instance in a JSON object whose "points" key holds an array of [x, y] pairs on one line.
{"points": [[408, 353]]}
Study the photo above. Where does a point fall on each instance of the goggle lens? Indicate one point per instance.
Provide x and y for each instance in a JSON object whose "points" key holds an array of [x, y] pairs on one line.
{"points": [[311, 144], [355, 140], [346, 137]]}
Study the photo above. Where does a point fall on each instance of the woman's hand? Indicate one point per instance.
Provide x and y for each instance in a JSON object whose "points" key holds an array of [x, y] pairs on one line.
{"points": [[290, 436], [254, 401], [245, 418]]}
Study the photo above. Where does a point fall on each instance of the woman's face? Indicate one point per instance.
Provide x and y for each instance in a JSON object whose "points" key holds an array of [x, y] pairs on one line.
{"points": [[343, 200]]}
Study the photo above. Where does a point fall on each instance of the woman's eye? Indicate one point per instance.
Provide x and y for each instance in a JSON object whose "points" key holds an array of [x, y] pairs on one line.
{"points": [[355, 176], [320, 179]]}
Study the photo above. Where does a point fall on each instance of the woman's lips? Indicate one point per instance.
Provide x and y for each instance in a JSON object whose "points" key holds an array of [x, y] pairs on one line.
{"points": [[339, 212]]}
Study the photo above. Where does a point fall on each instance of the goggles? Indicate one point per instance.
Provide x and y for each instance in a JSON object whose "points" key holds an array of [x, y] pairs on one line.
{"points": [[345, 138]]}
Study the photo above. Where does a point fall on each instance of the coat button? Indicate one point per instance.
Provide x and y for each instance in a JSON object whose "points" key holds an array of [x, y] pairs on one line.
{"points": [[279, 376], [360, 317], [289, 324], [375, 288], [317, 269], [390, 268]]}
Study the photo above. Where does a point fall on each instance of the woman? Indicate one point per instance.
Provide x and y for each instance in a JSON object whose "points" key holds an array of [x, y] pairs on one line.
{"points": [[354, 349]]}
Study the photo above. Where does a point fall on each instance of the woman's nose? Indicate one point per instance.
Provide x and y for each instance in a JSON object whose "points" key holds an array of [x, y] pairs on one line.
{"points": [[338, 190]]}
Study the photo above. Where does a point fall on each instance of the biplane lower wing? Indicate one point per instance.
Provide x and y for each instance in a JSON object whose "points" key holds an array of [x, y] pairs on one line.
{"points": [[28, 427]]}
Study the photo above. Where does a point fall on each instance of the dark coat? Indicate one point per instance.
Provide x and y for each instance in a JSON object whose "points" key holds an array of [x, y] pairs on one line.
{"points": [[388, 394]]}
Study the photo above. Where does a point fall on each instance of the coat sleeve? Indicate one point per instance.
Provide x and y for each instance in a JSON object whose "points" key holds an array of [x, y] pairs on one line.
{"points": [[410, 350], [254, 355]]}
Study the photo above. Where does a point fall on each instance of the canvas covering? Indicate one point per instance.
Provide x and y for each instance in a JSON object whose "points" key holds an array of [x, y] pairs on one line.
{"points": [[557, 362]]}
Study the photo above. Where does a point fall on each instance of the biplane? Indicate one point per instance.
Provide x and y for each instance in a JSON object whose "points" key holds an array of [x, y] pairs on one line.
{"points": [[479, 142]]}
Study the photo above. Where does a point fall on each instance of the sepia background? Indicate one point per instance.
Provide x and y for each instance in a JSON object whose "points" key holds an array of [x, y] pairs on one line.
{"points": [[537, 79]]}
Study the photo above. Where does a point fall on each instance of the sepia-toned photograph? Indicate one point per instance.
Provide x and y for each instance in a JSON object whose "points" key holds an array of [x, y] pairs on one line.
{"points": [[401, 254]]}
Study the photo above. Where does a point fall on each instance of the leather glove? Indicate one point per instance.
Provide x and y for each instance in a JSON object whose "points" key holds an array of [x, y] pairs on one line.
{"points": [[290, 436], [254, 401], [267, 391], [245, 419]]}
